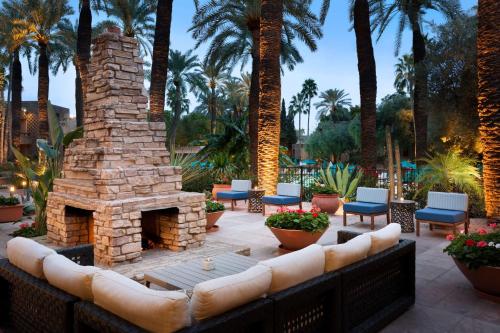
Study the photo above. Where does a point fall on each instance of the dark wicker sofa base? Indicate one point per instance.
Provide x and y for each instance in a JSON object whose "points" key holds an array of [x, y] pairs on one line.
{"points": [[28, 304]]}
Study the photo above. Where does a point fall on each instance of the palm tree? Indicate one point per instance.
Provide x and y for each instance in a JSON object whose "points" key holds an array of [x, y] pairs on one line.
{"points": [[4, 61], [236, 92], [298, 107], [405, 75], [488, 67], [134, 17], [233, 26], [331, 101], [39, 21], [183, 76], [159, 67], [271, 23], [309, 90], [411, 13]]}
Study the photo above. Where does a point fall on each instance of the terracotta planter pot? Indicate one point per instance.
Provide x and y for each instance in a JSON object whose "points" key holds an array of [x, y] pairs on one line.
{"points": [[220, 188], [485, 279], [328, 203], [296, 239], [212, 218], [11, 213]]}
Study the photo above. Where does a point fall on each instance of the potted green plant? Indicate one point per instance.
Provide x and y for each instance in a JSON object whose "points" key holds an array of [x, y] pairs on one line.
{"points": [[296, 229], [325, 198], [10, 209], [477, 255], [214, 211]]}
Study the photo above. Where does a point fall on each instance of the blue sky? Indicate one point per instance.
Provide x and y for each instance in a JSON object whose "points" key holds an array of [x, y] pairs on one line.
{"points": [[333, 65]]}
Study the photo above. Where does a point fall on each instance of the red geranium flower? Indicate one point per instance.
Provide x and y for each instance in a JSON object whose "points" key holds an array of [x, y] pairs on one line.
{"points": [[493, 225], [450, 237], [470, 242], [482, 231], [300, 211], [481, 244], [315, 214]]}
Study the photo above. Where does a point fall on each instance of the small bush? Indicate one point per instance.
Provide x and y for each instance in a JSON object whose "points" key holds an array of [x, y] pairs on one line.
{"points": [[8, 201], [214, 206]]}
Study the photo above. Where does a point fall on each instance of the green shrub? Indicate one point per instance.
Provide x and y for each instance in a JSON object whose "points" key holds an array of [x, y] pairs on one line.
{"points": [[312, 221], [214, 206], [8, 201]]}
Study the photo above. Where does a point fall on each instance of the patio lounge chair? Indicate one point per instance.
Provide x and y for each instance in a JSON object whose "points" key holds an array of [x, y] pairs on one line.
{"points": [[286, 195], [369, 202], [445, 210], [239, 191]]}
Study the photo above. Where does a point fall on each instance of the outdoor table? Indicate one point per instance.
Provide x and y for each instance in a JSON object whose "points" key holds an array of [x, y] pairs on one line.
{"points": [[402, 212], [186, 275], [255, 201]]}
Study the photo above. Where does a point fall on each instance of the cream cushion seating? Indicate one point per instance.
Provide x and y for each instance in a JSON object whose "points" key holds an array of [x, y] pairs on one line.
{"points": [[69, 276], [216, 296], [153, 310], [340, 255], [28, 255], [296, 267], [384, 238]]}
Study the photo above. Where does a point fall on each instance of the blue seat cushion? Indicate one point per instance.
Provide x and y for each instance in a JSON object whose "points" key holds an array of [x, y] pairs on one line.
{"points": [[232, 195], [361, 207], [440, 215], [280, 200]]}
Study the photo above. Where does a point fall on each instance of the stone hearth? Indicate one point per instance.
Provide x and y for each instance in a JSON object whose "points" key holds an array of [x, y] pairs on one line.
{"points": [[120, 168]]}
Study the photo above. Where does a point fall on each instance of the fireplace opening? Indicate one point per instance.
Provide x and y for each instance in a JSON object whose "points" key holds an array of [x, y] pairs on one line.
{"points": [[157, 227], [80, 224]]}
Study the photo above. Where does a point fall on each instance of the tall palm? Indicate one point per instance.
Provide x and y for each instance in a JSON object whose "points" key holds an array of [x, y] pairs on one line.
{"points": [[236, 92], [271, 23], [411, 13], [405, 75], [134, 17], [233, 26], [159, 66], [298, 107], [331, 101], [4, 63], [40, 21], [183, 77], [309, 90], [488, 66]]}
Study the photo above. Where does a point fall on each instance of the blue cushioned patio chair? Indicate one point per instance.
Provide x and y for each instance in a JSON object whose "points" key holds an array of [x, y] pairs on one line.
{"points": [[444, 209], [239, 191], [286, 195], [369, 202]]}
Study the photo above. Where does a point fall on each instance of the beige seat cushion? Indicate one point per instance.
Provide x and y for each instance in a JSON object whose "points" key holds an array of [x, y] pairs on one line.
{"points": [[384, 238], [340, 255], [296, 267], [69, 276], [153, 310], [219, 295], [28, 255]]}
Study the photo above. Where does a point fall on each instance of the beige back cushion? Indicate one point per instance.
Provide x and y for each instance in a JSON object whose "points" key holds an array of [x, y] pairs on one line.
{"points": [[66, 275], [296, 267], [384, 238], [340, 255], [28, 255], [217, 296], [153, 310]]}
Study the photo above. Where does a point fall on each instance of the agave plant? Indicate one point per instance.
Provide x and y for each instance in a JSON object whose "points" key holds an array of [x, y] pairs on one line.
{"points": [[192, 169], [341, 181]]}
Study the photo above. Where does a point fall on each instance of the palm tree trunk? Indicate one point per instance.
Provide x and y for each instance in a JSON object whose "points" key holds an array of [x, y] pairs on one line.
{"points": [[16, 106], [420, 89], [175, 118], [78, 97], [160, 60], [308, 116], [488, 66], [300, 129], [253, 102], [213, 110], [367, 83], [43, 92], [83, 43], [3, 117], [270, 94]]}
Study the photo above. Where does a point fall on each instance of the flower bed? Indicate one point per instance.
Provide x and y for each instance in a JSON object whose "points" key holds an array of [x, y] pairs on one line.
{"points": [[312, 221]]}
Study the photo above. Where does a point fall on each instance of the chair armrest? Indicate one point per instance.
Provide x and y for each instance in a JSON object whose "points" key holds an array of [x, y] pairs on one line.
{"points": [[344, 235], [81, 254]]}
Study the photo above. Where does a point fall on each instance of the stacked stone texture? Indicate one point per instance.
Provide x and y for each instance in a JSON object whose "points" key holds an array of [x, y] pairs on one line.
{"points": [[121, 166]]}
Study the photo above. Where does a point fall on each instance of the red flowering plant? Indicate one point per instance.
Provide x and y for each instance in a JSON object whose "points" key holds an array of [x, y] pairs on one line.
{"points": [[312, 221], [481, 248]]}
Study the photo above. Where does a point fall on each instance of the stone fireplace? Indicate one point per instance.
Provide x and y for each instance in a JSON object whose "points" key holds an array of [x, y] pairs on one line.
{"points": [[118, 190]]}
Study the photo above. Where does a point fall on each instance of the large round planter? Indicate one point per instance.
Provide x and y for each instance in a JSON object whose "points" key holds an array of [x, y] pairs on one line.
{"points": [[219, 188], [485, 279], [328, 203], [296, 239], [11, 213], [212, 218]]}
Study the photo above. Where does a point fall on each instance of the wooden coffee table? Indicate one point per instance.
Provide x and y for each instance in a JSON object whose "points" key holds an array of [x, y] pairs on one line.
{"points": [[187, 275]]}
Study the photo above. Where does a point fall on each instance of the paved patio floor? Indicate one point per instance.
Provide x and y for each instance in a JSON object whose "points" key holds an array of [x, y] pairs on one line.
{"points": [[445, 301]]}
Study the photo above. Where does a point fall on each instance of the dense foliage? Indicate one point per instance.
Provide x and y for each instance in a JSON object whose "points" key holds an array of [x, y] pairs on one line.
{"points": [[214, 206], [319, 188], [476, 249], [8, 201], [312, 221]]}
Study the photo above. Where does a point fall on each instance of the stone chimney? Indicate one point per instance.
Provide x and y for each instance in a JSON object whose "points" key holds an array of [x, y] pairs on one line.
{"points": [[120, 168]]}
